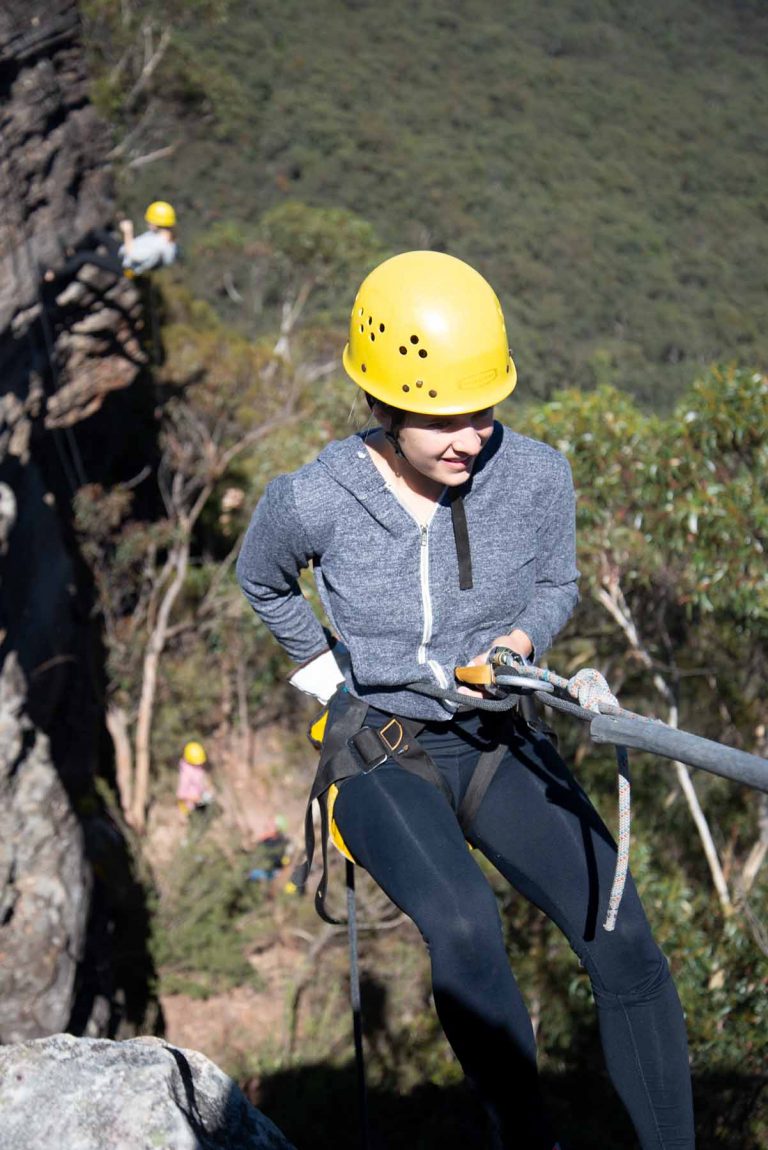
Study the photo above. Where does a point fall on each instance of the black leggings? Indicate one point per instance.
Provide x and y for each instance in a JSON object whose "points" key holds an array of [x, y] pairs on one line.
{"points": [[539, 829]]}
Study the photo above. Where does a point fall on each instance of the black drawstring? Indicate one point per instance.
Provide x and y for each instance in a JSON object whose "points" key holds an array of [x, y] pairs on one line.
{"points": [[461, 539]]}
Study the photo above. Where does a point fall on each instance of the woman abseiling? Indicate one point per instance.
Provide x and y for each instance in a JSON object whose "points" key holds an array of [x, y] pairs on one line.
{"points": [[434, 537]]}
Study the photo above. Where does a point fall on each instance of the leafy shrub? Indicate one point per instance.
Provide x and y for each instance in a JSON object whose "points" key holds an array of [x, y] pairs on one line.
{"points": [[201, 927]]}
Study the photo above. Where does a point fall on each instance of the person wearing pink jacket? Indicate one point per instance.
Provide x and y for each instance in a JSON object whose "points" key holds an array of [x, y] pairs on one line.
{"points": [[193, 789]]}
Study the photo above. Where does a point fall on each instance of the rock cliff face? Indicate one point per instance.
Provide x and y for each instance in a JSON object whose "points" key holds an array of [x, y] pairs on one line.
{"points": [[44, 880], [126, 1095], [68, 359], [54, 188]]}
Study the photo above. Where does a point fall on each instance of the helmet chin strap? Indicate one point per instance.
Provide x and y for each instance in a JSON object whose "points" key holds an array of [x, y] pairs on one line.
{"points": [[392, 438]]}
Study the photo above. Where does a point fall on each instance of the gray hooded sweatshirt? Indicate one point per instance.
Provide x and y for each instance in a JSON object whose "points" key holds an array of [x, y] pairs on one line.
{"points": [[390, 587]]}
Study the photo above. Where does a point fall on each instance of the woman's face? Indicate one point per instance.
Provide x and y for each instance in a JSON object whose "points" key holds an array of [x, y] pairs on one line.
{"points": [[443, 448]]}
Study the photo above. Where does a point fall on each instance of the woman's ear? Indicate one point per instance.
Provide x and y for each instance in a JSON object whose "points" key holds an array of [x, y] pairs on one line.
{"points": [[382, 414]]}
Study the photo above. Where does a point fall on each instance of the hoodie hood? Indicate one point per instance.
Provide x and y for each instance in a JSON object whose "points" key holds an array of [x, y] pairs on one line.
{"points": [[397, 592]]}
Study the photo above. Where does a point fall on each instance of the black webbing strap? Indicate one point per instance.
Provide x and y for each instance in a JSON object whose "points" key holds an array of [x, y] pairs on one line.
{"points": [[334, 740], [461, 540], [486, 768], [357, 1011]]}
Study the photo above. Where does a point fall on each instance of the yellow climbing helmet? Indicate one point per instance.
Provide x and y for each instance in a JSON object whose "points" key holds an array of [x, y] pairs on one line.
{"points": [[161, 214], [427, 335], [195, 754]]}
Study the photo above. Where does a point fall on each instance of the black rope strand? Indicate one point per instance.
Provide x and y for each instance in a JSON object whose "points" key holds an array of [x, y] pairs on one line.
{"points": [[357, 1014]]}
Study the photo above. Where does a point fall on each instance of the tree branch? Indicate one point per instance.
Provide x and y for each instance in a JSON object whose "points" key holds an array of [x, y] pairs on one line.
{"points": [[150, 157], [150, 66], [611, 597]]}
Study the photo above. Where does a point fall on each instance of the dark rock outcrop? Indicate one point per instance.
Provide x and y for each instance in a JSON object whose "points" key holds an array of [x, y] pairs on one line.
{"points": [[123, 1096], [44, 879], [69, 358], [54, 189]]}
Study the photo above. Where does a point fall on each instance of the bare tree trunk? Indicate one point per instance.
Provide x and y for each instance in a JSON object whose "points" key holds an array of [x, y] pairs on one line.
{"points": [[756, 856], [152, 58], [243, 717], [612, 599], [175, 569], [117, 725], [177, 561], [289, 317], [702, 826]]}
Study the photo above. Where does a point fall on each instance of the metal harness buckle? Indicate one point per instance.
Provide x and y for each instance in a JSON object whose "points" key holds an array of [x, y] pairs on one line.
{"points": [[372, 745]]}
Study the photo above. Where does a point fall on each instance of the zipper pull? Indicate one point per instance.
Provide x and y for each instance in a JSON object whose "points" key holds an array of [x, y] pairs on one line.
{"points": [[423, 529]]}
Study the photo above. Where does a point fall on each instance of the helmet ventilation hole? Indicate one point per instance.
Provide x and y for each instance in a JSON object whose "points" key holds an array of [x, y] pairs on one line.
{"points": [[419, 382], [373, 337], [362, 328], [382, 328], [363, 367], [403, 349], [406, 387], [370, 319], [422, 353], [414, 339], [432, 394]]}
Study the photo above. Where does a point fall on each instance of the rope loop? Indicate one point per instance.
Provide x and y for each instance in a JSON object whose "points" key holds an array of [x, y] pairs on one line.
{"points": [[592, 691]]}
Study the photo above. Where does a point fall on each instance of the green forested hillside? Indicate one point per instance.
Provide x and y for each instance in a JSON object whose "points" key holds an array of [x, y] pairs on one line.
{"points": [[604, 163]]}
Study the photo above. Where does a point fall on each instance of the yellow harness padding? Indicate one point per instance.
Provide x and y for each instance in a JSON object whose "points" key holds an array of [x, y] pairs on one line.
{"points": [[316, 734], [316, 731], [336, 838]]}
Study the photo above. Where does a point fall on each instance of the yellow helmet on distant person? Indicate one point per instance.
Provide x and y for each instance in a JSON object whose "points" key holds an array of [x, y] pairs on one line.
{"points": [[161, 214], [195, 754], [427, 335]]}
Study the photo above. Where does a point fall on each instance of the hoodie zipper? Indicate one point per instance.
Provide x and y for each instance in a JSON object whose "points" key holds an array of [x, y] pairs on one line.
{"points": [[426, 602]]}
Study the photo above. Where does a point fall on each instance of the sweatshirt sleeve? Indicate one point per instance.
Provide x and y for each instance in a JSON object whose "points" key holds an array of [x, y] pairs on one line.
{"points": [[556, 593], [275, 550]]}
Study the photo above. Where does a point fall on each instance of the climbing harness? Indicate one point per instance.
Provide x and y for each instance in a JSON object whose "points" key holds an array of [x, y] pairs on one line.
{"points": [[348, 747], [508, 670], [612, 723]]}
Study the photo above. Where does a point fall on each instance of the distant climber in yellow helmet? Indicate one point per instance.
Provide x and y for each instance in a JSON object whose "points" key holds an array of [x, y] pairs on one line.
{"points": [[434, 536], [128, 254], [194, 791], [154, 248]]}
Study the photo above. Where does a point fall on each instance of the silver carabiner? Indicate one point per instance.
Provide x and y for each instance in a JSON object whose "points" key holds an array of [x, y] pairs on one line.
{"points": [[523, 683]]}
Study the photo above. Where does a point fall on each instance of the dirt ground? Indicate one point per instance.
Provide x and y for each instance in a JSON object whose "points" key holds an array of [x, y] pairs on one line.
{"points": [[251, 791]]}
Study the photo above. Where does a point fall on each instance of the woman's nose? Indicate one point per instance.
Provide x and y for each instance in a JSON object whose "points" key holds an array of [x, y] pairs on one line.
{"points": [[467, 441]]}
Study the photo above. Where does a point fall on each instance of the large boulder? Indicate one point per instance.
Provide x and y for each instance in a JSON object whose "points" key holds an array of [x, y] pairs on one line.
{"points": [[44, 878], [93, 1094]]}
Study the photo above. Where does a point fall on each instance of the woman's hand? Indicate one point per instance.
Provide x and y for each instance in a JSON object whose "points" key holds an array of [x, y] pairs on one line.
{"points": [[516, 641]]}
